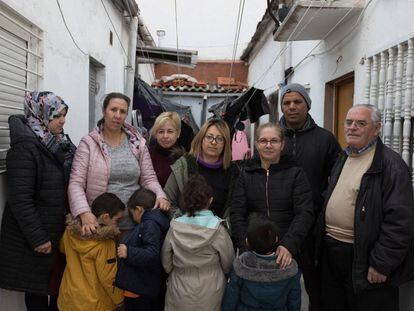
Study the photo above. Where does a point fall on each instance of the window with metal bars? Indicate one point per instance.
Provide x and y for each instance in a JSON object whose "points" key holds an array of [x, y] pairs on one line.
{"points": [[20, 63]]}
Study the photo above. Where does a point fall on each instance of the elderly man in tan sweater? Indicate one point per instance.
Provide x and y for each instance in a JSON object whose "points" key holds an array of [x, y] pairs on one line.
{"points": [[366, 227]]}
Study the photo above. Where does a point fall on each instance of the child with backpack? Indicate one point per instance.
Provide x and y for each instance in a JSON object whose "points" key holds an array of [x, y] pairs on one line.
{"points": [[140, 271], [256, 281], [197, 252], [91, 264]]}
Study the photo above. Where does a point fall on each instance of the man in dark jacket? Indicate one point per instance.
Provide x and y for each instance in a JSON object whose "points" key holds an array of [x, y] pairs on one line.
{"points": [[315, 150], [367, 225]]}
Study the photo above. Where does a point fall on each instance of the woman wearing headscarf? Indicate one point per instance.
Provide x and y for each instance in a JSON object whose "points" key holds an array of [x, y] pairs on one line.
{"points": [[38, 167]]}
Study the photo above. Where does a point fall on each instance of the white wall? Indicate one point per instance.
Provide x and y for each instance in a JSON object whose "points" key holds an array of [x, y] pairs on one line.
{"points": [[66, 69], [146, 72]]}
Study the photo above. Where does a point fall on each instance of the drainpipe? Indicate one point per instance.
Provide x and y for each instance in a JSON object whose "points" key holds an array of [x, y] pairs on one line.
{"points": [[130, 68], [204, 110]]}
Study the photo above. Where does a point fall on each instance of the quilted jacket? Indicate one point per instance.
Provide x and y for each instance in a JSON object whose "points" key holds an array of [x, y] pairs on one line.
{"points": [[34, 212], [91, 169]]}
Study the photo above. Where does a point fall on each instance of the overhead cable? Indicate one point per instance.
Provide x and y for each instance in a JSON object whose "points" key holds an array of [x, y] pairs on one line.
{"points": [[117, 35], [236, 37], [67, 28]]}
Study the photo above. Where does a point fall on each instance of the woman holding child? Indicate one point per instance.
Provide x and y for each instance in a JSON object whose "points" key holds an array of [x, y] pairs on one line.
{"points": [[112, 158], [272, 185], [210, 156]]}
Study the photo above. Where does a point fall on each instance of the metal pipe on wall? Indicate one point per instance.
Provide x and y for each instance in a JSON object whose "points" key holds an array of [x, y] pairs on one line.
{"points": [[130, 68], [204, 110]]}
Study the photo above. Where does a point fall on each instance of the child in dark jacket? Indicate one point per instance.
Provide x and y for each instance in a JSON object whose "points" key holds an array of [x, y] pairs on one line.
{"points": [[256, 281], [140, 272]]}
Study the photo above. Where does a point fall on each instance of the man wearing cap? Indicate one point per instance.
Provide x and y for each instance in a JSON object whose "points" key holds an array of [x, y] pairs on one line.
{"points": [[366, 228], [315, 150]]}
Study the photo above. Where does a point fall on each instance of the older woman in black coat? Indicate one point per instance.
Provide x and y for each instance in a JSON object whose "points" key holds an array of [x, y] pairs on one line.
{"points": [[38, 168], [274, 186]]}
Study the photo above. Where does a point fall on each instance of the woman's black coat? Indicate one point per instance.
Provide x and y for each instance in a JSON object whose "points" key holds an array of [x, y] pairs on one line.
{"points": [[282, 193], [34, 212]]}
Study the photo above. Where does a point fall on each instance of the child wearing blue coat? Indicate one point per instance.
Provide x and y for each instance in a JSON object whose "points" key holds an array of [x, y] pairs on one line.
{"points": [[256, 281], [140, 272]]}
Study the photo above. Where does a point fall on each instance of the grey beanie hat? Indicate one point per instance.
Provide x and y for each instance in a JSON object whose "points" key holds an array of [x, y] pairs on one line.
{"points": [[295, 87]]}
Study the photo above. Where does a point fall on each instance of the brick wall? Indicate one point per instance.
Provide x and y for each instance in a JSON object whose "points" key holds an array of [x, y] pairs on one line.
{"points": [[206, 71]]}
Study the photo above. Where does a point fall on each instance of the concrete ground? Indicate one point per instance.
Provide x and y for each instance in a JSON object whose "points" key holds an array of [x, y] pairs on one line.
{"points": [[305, 299]]}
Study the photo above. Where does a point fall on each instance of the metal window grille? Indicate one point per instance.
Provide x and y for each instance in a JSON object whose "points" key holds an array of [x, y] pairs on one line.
{"points": [[19, 63]]}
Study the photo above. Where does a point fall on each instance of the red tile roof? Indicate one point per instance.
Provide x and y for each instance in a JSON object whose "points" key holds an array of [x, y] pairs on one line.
{"points": [[185, 83]]}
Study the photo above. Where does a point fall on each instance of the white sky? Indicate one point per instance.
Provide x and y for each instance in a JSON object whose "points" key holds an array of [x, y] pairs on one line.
{"points": [[208, 26]]}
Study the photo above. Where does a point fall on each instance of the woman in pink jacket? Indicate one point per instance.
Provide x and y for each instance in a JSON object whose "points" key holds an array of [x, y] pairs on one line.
{"points": [[111, 158]]}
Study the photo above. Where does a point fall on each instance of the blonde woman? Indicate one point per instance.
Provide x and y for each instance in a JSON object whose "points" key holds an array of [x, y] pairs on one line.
{"points": [[166, 150], [210, 156]]}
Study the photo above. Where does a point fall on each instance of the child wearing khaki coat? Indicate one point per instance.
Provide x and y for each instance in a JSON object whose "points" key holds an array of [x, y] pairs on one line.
{"points": [[197, 253]]}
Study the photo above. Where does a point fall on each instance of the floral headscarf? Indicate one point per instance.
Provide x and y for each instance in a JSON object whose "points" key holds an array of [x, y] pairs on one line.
{"points": [[40, 108]]}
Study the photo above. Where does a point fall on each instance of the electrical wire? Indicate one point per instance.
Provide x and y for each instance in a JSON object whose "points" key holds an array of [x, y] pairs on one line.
{"points": [[309, 53], [67, 28], [147, 57], [151, 73], [117, 35], [261, 77], [326, 35], [290, 42], [176, 40], [348, 34], [236, 38]]}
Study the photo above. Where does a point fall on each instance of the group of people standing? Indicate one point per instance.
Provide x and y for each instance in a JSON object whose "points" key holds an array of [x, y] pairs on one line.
{"points": [[343, 219]]}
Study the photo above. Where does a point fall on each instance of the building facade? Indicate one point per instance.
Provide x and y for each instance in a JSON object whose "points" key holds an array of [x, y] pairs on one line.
{"points": [[80, 50], [345, 52]]}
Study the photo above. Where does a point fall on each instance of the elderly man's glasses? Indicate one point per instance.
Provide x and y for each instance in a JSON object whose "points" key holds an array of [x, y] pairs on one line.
{"points": [[217, 139], [358, 123], [263, 142]]}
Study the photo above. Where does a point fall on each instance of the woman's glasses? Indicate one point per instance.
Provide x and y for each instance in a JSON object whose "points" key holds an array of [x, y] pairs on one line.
{"points": [[217, 139], [263, 142]]}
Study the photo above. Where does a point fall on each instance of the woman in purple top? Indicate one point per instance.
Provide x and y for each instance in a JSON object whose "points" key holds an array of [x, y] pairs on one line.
{"points": [[210, 156]]}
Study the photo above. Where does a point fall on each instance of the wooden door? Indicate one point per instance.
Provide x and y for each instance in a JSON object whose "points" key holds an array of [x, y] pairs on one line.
{"points": [[344, 100]]}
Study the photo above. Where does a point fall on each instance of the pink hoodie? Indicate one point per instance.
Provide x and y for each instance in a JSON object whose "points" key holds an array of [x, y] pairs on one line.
{"points": [[91, 168]]}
